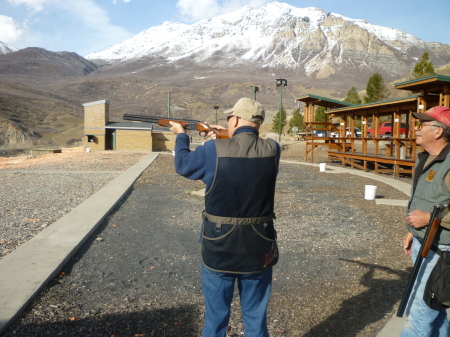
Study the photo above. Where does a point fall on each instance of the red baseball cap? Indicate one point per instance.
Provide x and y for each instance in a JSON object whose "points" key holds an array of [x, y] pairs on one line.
{"points": [[438, 113]]}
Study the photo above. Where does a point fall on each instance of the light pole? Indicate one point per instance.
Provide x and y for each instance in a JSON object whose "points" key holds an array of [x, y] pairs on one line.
{"points": [[216, 107], [168, 104], [281, 82], [255, 89]]}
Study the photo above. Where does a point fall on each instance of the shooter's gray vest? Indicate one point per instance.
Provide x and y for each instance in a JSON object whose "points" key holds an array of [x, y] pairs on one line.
{"points": [[238, 230], [431, 191]]}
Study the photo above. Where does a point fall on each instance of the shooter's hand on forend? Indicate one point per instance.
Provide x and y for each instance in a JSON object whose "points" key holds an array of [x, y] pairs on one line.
{"points": [[177, 127]]}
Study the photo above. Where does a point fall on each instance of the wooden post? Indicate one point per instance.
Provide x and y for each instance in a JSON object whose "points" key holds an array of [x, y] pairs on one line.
{"points": [[444, 97]]}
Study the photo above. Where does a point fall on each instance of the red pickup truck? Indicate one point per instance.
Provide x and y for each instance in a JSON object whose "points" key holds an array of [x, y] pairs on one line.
{"points": [[385, 129]]}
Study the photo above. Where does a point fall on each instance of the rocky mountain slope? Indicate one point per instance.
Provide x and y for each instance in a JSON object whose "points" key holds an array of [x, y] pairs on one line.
{"points": [[308, 41], [6, 49], [38, 62]]}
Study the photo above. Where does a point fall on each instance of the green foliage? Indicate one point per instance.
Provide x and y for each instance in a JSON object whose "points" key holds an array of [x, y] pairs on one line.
{"points": [[320, 115], [297, 120], [352, 97], [276, 121], [375, 89], [423, 68]]}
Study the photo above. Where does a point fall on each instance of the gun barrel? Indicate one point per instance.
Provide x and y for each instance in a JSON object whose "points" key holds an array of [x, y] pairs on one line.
{"points": [[138, 118], [155, 119]]}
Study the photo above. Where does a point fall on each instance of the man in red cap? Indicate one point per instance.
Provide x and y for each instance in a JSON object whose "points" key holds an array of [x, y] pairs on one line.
{"points": [[431, 186]]}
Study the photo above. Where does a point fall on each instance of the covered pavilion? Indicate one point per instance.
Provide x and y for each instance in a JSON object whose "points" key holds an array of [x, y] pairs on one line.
{"points": [[393, 151]]}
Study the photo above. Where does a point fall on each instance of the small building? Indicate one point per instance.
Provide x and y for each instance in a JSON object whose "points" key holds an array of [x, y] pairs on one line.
{"points": [[102, 134]]}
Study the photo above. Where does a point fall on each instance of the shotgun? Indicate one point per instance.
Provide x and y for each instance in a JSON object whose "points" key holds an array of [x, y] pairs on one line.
{"points": [[188, 124], [430, 233]]}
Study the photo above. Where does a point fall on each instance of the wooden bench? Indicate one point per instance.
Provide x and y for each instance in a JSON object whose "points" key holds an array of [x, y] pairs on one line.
{"points": [[381, 164]]}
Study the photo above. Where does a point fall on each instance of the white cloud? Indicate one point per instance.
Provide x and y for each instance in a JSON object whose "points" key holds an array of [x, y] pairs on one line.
{"points": [[34, 5], [194, 10], [81, 26], [10, 31], [233, 5], [102, 32], [198, 9]]}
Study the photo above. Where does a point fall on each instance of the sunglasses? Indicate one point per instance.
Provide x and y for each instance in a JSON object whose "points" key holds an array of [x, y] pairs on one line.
{"points": [[231, 116], [420, 124]]}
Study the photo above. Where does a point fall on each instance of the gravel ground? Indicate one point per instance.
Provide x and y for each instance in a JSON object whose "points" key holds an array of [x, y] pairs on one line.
{"points": [[35, 192], [341, 270]]}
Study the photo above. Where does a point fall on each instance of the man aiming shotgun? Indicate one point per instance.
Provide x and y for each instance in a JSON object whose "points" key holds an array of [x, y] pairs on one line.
{"points": [[238, 236]]}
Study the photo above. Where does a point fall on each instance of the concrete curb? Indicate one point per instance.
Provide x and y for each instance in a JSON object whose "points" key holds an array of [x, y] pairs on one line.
{"points": [[26, 270]]}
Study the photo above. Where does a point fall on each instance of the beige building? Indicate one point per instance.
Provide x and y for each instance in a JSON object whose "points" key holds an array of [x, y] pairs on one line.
{"points": [[102, 134]]}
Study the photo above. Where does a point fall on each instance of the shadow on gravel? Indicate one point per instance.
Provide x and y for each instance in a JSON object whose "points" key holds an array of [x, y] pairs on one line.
{"points": [[179, 321], [359, 312]]}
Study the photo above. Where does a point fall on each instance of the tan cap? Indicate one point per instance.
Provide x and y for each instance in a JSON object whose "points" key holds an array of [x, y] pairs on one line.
{"points": [[247, 108]]}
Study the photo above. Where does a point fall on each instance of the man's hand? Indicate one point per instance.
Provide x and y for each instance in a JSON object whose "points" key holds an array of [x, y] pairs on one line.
{"points": [[177, 128], [212, 134], [418, 219], [407, 244]]}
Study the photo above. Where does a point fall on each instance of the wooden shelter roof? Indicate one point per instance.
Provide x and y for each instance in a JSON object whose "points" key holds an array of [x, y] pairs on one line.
{"points": [[324, 101], [432, 84], [379, 104]]}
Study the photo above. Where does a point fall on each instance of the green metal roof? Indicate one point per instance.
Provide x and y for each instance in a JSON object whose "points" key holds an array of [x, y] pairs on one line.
{"points": [[375, 103], [436, 77], [325, 99]]}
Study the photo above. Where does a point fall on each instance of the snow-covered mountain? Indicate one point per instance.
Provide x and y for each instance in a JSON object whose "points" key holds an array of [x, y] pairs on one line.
{"points": [[6, 49], [308, 40]]}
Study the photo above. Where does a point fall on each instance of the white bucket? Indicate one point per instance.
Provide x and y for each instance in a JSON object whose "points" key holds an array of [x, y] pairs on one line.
{"points": [[88, 149], [370, 192], [402, 152], [322, 167]]}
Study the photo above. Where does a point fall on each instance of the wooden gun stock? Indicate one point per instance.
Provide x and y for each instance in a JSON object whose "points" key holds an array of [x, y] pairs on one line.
{"points": [[428, 239], [189, 124], [431, 235]]}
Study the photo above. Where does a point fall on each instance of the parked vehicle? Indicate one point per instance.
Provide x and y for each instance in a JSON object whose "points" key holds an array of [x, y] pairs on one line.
{"points": [[320, 133], [348, 133], [385, 129]]}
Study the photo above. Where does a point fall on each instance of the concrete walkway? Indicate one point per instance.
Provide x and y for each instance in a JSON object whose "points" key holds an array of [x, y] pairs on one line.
{"points": [[25, 271]]}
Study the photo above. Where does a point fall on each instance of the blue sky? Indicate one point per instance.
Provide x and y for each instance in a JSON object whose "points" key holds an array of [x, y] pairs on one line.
{"points": [[85, 26]]}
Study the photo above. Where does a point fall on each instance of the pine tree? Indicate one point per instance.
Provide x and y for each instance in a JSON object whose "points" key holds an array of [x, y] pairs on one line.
{"points": [[320, 115], [352, 97], [276, 121], [297, 120], [375, 89], [423, 68]]}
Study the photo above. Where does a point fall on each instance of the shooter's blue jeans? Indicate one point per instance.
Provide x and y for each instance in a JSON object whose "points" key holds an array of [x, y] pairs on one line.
{"points": [[422, 320], [254, 292]]}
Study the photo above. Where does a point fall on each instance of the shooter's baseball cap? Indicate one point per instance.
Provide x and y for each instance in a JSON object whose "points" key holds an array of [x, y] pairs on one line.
{"points": [[247, 108], [438, 113]]}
